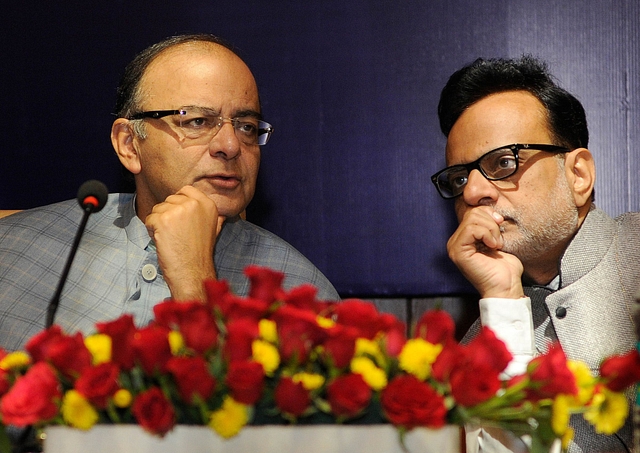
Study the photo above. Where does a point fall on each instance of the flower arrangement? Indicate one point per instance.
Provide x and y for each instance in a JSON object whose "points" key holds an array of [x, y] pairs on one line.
{"points": [[280, 356]]}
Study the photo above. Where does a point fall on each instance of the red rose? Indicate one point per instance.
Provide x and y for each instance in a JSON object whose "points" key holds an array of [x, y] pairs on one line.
{"points": [[409, 402], [472, 383], [388, 322], [621, 371], [5, 382], [348, 395], [435, 326], [246, 381], [194, 321], [151, 348], [66, 353], [298, 333], [451, 355], [99, 383], [33, 397], [240, 336], [153, 411], [550, 375], [265, 284], [244, 307], [192, 377], [474, 370], [340, 345], [121, 332], [303, 297], [216, 290], [38, 345], [291, 397], [70, 355], [394, 340], [486, 350], [360, 314]]}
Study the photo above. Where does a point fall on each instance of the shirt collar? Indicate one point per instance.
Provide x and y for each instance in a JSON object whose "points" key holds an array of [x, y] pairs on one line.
{"points": [[136, 231]]}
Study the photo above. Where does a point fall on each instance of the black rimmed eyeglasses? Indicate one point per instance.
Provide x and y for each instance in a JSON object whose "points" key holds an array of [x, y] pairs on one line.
{"points": [[201, 124], [497, 164]]}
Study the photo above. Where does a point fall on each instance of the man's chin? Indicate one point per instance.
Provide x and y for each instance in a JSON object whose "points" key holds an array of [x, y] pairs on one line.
{"points": [[511, 242], [228, 208]]}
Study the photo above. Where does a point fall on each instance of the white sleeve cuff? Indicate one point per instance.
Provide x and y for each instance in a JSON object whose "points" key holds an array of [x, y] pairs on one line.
{"points": [[512, 322]]}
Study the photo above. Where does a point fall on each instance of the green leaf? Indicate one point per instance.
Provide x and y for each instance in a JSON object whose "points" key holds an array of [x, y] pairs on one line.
{"points": [[5, 444]]}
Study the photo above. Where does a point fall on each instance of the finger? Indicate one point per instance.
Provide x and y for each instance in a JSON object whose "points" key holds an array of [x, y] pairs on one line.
{"points": [[479, 227], [221, 221], [473, 238]]}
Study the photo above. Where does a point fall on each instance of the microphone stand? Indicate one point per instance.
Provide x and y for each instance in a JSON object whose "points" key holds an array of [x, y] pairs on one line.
{"points": [[87, 209]]}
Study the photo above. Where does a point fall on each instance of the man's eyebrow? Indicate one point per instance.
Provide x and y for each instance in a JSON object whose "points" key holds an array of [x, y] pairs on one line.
{"points": [[237, 114], [248, 112], [207, 110]]}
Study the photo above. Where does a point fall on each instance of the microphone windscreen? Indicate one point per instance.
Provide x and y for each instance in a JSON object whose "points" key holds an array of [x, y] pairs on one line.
{"points": [[93, 192]]}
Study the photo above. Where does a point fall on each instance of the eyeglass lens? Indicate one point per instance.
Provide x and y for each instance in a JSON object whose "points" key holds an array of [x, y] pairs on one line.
{"points": [[495, 165], [201, 123]]}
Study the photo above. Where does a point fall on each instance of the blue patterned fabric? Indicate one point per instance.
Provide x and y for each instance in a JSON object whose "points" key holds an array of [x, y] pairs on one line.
{"points": [[106, 277]]}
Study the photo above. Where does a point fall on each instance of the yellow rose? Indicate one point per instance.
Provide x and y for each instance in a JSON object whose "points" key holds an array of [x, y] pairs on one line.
{"points": [[176, 342], [267, 355], [122, 398], [560, 413], [99, 345], [325, 323], [77, 411], [417, 356], [608, 411], [584, 381], [13, 360], [375, 377], [268, 330], [230, 418], [310, 381], [369, 348]]}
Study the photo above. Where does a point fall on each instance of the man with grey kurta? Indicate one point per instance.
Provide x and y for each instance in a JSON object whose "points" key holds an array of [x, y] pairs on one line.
{"points": [[548, 265], [189, 128]]}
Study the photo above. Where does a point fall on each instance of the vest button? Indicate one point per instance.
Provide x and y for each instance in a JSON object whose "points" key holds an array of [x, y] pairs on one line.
{"points": [[149, 272], [561, 312]]}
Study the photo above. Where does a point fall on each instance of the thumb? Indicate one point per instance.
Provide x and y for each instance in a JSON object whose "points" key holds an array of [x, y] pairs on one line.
{"points": [[221, 221]]}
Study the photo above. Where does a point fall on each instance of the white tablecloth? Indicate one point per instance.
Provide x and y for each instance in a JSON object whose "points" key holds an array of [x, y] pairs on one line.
{"points": [[262, 439]]}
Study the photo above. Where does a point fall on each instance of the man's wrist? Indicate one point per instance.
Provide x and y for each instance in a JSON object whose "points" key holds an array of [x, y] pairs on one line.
{"points": [[515, 292]]}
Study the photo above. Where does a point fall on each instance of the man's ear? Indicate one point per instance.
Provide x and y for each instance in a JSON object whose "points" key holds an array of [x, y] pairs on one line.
{"points": [[580, 169], [124, 143]]}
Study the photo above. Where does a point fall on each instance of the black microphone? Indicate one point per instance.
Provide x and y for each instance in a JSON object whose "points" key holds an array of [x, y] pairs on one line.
{"points": [[92, 197]]}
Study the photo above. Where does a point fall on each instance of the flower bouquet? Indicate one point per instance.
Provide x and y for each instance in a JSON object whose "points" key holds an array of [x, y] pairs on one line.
{"points": [[284, 357]]}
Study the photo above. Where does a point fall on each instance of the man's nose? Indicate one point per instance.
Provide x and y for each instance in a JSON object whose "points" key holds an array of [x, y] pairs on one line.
{"points": [[225, 143], [479, 190]]}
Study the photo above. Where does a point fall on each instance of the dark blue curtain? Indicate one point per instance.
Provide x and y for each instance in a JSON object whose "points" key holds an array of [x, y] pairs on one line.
{"points": [[351, 88]]}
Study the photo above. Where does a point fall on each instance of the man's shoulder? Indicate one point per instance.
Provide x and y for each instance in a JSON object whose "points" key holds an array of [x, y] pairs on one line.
{"points": [[629, 232], [628, 219], [48, 220], [56, 220], [599, 221]]}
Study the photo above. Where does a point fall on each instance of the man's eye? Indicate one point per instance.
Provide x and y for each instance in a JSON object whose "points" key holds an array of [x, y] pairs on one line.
{"points": [[506, 162], [197, 123], [458, 181], [247, 128]]}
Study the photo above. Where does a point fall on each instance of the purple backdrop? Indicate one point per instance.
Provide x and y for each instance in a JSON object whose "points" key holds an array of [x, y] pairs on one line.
{"points": [[351, 88]]}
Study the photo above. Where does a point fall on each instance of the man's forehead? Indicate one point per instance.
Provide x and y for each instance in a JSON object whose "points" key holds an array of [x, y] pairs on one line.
{"points": [[497, 120], [203, 76]]}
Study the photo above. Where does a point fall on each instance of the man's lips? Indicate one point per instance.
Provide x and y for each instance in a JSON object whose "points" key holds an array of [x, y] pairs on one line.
{"points": [[508, 221], [223, 181]]}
